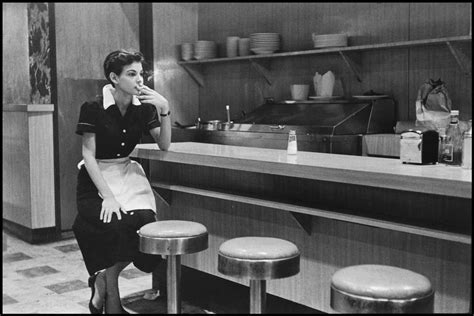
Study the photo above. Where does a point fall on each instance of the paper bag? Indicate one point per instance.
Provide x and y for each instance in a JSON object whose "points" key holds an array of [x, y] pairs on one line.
{"points": [[433, 105]]}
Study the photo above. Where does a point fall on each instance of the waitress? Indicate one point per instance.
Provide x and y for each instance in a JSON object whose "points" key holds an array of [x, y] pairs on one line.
{"points": [[114, 197]]}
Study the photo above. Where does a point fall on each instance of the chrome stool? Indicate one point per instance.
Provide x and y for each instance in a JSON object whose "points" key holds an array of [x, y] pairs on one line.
{"points": [[173, 239], [371, 288], [258, 258]]}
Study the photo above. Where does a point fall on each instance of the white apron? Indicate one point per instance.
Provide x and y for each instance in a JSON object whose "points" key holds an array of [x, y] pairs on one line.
{"points": [[128, 183]]}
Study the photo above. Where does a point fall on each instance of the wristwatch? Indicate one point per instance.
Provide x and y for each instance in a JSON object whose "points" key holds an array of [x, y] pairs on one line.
{"points": [[165, 115]]}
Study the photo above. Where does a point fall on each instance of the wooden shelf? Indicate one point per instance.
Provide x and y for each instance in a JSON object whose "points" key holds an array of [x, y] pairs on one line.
{"points": [[462, 60], [404, 44]]}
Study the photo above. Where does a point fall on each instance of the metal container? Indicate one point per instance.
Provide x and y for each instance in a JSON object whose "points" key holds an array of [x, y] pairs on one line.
{"points": [[419, 147]]}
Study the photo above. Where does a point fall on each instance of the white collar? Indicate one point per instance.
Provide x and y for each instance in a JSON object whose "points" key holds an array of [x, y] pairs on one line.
{"points": [[109, 98]]}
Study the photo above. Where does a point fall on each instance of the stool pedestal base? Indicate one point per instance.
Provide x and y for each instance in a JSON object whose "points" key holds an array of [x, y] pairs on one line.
{"points": [[173, 284], [258, 296]]}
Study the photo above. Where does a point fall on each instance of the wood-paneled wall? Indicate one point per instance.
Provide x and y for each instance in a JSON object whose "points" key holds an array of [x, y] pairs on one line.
{"points": [[398, 72], [43, 210], [173, 24], [28, 178], [85, 34], [15, 167]]}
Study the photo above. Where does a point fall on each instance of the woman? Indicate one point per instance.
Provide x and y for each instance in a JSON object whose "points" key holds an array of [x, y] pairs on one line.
{"points": [[114, 197]]}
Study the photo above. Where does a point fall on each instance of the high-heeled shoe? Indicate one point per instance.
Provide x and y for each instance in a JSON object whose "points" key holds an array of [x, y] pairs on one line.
{"points": [[92, 308], [124, 311]]}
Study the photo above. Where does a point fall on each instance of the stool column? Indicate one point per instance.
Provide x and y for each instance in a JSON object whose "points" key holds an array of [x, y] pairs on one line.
{"points": [[173, 284], [258, 296]]}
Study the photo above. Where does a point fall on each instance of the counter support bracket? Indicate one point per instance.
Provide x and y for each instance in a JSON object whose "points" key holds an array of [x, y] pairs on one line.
{"points": [[162, 196], [195, 74], [303, 221], [462, 60], [262, 71], [353, 67]]}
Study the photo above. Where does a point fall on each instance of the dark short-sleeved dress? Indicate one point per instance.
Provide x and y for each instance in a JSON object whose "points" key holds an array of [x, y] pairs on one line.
{"points": [[104, 244]]}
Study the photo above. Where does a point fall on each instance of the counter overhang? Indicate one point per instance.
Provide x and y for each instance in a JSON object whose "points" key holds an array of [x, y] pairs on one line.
{"points": [[359, 170]]}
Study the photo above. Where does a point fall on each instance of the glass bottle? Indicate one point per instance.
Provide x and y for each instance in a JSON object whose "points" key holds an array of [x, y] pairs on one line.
{"points": [[451, 149], [467, 148], [292, 145], [442, 143]]}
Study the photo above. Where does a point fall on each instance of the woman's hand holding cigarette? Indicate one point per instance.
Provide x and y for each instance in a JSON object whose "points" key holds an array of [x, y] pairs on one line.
{"points": [[148, 95]]}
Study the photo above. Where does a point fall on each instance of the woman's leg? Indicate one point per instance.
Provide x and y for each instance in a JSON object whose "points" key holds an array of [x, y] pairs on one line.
{"points": [[113, 304], [129, 244], [100, 291]]}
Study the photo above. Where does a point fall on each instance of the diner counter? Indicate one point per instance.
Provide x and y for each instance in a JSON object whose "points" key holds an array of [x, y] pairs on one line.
{"points": [[339, 210], [360, 170]]}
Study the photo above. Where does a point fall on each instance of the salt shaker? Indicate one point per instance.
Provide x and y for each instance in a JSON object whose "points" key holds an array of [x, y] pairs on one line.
{"points": [[292, 146]]}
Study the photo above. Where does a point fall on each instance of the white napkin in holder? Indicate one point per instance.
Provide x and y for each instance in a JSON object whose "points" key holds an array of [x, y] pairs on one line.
{"points": [[324, 84]]}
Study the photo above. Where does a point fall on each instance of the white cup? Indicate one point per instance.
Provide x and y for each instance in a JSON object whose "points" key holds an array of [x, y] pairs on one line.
{"points": [[299, 91], [232, 46], [244, 46], [187, 51]]}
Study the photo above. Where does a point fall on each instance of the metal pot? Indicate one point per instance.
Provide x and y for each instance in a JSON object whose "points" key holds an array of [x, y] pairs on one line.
{"points": [[212, 125], [225, 126]]}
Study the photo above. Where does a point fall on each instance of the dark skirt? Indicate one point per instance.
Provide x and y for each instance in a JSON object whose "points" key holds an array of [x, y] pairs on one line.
{"points": [[104, 244]]}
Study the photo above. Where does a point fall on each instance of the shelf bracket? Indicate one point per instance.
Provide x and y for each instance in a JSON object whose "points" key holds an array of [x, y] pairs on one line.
{"points": [[462, 60], [354, 68], [195, 74], [303, 221], [263, 71]]}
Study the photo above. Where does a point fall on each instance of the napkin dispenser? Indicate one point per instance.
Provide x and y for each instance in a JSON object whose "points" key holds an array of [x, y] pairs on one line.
{"points": [[419, 147]]}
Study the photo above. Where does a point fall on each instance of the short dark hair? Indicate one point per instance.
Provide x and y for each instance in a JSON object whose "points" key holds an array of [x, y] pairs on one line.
{"points": [[116, 60]]}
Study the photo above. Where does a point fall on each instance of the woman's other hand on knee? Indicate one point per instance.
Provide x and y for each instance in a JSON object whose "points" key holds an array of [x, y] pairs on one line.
{"points": [[109, 207]]}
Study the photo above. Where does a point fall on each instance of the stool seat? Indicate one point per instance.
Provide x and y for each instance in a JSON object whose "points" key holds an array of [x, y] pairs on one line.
{"points": [[258, 258], [380, 281], [173, 237], [172, 229], [258, 248], [372, 288]]}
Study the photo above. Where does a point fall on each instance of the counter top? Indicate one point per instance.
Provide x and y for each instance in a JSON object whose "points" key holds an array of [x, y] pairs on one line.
{"points": [[28, 108], [359, 170]]}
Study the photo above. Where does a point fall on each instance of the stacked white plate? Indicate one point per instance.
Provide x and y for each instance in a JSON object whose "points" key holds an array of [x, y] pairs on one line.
{"points": [[264, 43], [329, 40], [205, 49]]}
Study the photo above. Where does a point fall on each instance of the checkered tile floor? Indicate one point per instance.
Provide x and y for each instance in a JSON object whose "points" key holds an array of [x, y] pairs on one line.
{"points": [[52, 278]]}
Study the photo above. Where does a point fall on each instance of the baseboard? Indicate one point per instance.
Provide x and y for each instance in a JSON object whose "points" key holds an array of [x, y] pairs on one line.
{"points": [[30, 235]]}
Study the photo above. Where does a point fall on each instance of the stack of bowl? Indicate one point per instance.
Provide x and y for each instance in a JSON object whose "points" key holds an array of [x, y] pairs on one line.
{"points": [[264, 43], [187, 51], [329, 40], [205, 50]]}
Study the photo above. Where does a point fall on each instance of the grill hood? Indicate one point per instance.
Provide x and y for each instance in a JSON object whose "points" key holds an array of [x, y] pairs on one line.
{"points": [[330, 118]]}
